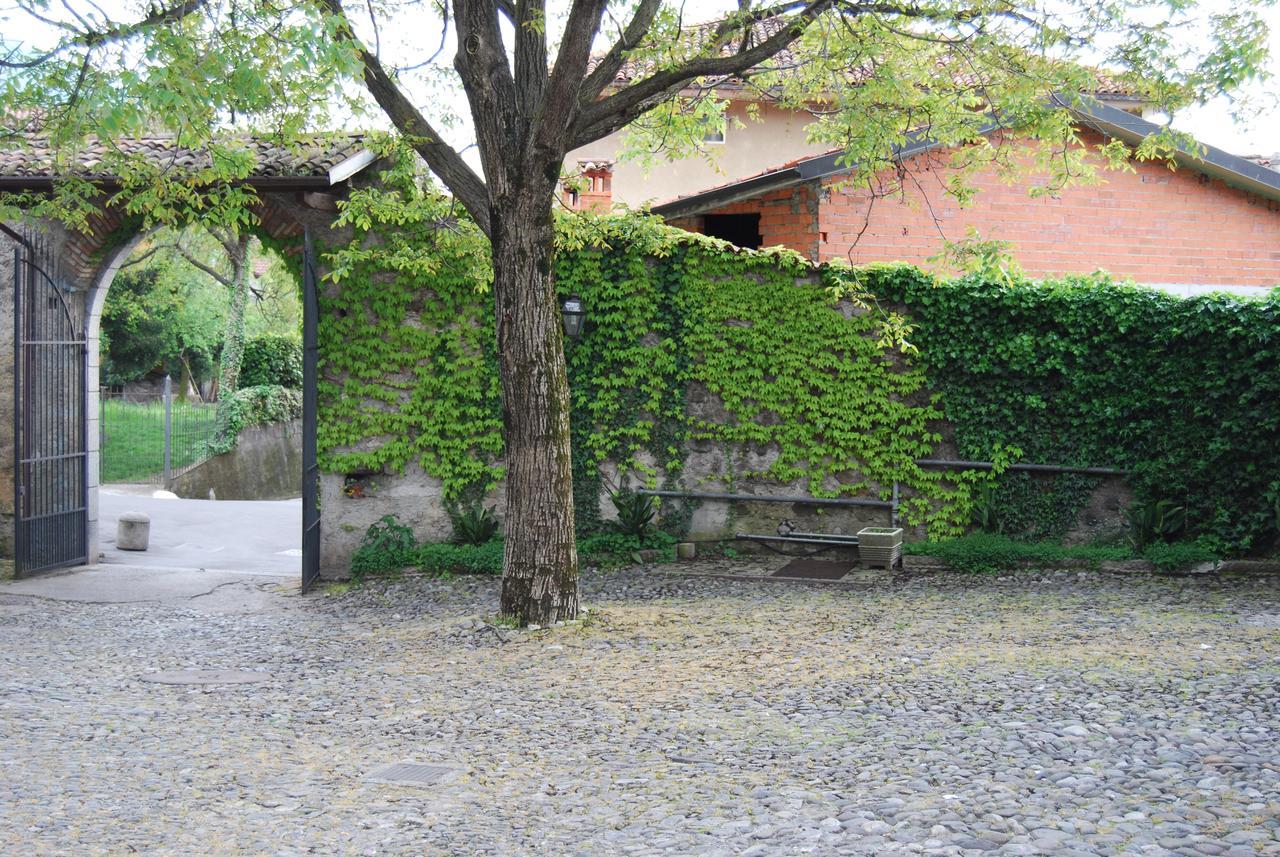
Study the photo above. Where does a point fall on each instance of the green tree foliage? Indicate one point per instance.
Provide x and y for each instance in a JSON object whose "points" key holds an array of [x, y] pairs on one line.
{"points": [[135, 328], [272, 359], [168, 310], [150, 323]]}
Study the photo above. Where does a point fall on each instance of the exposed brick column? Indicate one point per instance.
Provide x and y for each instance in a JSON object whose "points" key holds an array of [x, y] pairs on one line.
{"points": [[593, 188]]}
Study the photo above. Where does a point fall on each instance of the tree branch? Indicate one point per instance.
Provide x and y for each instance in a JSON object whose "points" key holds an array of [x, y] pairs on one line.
{"points": [[603, 117], [194, 262], [108, 34], [530, 55], [481, 63], [606, 71], [440, 157], [560, 102], [158, 15]]}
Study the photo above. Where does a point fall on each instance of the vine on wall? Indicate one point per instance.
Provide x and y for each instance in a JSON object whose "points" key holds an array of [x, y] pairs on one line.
{"points": [[1082, 371], [1087, 371], [407, 337]]}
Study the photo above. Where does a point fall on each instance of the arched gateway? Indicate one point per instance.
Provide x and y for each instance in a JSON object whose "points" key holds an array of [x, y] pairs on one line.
{"points": [[53, 285]]}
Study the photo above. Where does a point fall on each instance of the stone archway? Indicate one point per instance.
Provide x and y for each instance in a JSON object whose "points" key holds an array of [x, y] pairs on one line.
{"points": [[297, 195]]}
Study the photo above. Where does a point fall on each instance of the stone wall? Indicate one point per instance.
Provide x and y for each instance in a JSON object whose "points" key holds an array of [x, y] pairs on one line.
{"points": [[265, 464]]}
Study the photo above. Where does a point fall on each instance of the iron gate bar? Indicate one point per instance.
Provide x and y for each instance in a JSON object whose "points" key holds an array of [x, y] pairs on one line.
{"points": [[50, 416], [310, 465]]}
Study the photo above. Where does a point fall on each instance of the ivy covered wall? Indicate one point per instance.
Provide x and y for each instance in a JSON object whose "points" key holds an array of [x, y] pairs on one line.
{"points": [[689, 345], [709, 368], [1182, 393]]}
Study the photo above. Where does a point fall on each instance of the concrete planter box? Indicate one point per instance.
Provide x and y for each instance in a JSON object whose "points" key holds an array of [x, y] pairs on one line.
{"points": [[879, 537], [880, 547]]}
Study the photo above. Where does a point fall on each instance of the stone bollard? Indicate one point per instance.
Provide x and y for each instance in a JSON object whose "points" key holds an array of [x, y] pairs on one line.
{"points": [[133, 531]]}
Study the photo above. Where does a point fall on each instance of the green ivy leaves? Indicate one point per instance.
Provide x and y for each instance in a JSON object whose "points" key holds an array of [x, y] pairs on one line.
{"points": [[1086, 371]]}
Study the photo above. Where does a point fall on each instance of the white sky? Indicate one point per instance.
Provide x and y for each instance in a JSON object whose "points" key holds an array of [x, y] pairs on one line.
{"points": [[1245, 127]]}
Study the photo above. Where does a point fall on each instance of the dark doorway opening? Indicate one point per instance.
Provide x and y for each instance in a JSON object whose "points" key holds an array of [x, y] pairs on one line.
{"points": [[740, 229]]}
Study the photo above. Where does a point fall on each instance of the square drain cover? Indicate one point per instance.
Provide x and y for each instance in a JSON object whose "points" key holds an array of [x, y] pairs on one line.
{"points": [[412, 774], [814, 569]]}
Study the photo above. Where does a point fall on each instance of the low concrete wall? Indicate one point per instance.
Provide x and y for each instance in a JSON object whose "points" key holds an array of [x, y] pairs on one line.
{"points": [[266, 464], [413, 497]]}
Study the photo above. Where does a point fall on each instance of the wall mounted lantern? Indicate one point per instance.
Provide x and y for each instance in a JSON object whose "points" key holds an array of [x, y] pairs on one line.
{"points": [[574, 315]]}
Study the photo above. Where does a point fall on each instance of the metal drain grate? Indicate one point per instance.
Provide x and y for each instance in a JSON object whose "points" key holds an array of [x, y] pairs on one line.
{"points": [[814, 569], [412, 774]]}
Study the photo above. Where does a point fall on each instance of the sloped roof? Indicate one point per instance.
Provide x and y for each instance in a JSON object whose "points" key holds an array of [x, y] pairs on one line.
{"points": [[1108, 86], [305, 162], [1239, 172]]}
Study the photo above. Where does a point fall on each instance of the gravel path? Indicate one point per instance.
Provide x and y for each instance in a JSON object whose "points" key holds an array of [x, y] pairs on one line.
{"points": [[1061, 714]]}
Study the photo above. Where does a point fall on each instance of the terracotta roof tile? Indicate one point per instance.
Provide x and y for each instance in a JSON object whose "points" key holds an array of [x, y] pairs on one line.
{"points": [[33, 157]]}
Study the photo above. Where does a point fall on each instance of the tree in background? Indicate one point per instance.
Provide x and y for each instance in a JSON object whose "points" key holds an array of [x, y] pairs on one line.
{"points": [[183, 298], [539, 83], [140, 327]]}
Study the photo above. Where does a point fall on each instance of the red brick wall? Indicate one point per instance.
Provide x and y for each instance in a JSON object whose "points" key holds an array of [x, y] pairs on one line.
{"points": [[788, 217], [1153, 225], [594, 192]]}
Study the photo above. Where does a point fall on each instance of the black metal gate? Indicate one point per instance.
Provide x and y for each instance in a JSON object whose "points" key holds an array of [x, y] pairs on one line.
{"points": [[310, 468], [50, 416]]}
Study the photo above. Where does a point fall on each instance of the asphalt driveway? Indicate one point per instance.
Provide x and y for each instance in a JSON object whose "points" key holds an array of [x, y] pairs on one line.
{"points": [[244, 536]]}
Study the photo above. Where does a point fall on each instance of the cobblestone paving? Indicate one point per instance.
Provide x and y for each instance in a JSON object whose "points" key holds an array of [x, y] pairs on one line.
{"points": [[686, 716]]}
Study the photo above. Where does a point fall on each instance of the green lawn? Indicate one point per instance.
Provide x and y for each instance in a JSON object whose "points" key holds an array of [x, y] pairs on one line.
{"points": [[133, 438]]}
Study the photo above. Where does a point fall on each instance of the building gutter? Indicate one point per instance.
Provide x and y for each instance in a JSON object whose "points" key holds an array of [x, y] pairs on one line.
{"points": [[1236, 171]]}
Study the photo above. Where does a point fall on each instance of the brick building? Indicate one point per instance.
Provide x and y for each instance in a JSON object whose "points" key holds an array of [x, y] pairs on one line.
{"points": [[1212, 222]]}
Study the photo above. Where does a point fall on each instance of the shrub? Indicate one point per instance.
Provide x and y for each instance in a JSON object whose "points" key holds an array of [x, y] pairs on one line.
{"points": [[988, 552], [449, 559], [272, 359], [251, 406], [387, 546], [635, 513], [1171, 556], [1154, 522], [615, 549], [474, 524]]}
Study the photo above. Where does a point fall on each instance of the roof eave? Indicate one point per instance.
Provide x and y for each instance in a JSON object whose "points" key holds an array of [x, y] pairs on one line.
{"points": [[1214, 162], [38, 184], [1112, 121], [810, 169]]}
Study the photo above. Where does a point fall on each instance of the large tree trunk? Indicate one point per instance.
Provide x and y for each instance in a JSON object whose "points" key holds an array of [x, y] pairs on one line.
{"points": [[540, 565]]}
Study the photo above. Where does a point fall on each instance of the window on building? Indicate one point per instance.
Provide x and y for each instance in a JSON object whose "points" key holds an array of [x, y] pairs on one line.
{"points": [[740, 229]]}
